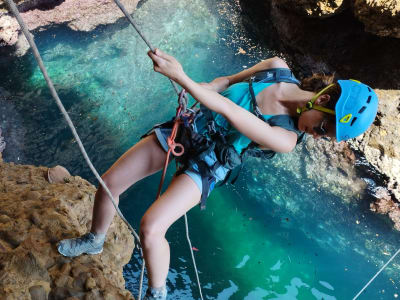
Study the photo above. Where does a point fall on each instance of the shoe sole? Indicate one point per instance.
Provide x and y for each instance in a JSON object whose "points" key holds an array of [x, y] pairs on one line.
{"points": [[86, 252], [94, 252]]}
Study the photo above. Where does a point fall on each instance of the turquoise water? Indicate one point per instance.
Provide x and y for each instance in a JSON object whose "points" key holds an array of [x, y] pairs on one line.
{"points": [[274, 235]]}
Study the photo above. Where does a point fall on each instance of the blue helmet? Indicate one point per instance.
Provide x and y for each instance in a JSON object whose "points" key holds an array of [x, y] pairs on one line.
{"points": [[355, 110]]}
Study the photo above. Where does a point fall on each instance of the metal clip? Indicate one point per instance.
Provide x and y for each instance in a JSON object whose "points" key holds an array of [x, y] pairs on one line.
{"points": [[211, 127]]}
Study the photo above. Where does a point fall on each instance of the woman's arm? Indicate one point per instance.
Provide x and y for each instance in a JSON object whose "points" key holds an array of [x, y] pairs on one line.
{"points": [[220, 84], [274, 138]]}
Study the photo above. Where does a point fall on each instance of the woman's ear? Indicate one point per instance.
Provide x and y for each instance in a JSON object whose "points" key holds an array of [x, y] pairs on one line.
{"points": [[323, 99]]}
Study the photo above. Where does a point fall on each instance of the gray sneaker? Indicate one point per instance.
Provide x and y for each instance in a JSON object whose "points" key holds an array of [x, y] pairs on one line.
{"points": [[156, 293], [87, 243]]}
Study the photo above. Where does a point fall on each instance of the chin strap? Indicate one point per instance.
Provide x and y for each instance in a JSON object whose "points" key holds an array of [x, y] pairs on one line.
{"points": [[310, 104]]}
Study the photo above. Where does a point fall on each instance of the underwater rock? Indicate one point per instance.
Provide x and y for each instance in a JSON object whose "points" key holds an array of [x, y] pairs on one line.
{"points": [[34, 216], [78, 15], [12, 132]]}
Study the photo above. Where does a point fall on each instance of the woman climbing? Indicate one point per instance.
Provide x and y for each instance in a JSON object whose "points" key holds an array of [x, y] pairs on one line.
{"points": [[271, 113]]}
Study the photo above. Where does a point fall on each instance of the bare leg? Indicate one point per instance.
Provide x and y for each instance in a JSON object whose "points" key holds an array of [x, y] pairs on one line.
{"points": [[180, 197], [142, 160]]}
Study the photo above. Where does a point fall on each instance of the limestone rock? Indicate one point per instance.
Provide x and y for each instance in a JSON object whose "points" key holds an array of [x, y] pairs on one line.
{"points": [[380, 144], [58, 174], [313, 8], [380, 17], [34, 216]]}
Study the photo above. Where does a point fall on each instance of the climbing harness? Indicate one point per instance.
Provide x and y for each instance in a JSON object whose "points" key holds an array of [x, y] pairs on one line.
{"points": [[53, 92], [172, 145]]}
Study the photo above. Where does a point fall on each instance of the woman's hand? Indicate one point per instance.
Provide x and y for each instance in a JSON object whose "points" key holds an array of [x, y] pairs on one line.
{"points": [[166, 65]]}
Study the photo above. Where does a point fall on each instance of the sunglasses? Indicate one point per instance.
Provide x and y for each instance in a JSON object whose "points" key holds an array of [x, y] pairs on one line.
{"points": [[321, 130]]}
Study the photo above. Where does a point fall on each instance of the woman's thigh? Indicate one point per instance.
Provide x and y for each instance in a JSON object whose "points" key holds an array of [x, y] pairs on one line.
{"points": [[141, 160], [181, 195]]}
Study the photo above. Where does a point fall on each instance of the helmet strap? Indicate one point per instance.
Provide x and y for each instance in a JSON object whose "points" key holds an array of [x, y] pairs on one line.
{"points": [[310, 104]]}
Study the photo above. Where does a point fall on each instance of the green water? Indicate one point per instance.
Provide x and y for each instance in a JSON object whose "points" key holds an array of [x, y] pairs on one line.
{"points": [[274, 235]]}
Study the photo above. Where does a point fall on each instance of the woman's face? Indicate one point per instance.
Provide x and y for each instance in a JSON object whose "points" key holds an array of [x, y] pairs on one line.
{"points": [[317, 123]]}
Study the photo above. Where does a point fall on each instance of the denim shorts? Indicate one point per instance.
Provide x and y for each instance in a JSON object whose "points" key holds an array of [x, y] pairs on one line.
{"points": [[193, 169]]}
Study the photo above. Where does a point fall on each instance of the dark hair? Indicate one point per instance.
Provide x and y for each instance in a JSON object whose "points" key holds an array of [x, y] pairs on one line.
{"points": [[317, 82]]}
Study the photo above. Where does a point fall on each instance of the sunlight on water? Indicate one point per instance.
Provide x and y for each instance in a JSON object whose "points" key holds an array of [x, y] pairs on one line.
{"points": [[273, 235]]}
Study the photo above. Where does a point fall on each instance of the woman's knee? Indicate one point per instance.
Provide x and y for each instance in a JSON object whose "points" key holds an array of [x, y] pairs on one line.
{"points": [[111, 183], [151, 231]]}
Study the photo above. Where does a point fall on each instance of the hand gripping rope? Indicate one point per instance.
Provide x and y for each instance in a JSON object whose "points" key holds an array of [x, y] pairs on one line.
{"points": [[28, 36]]}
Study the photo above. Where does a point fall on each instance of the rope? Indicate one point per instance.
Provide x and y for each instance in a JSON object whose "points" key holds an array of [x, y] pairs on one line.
{"points": [[128, 16], [193, 260], [376, 275]]}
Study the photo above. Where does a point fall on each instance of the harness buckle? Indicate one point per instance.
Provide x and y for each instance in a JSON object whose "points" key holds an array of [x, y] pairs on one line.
{"points": [[211, 127]]}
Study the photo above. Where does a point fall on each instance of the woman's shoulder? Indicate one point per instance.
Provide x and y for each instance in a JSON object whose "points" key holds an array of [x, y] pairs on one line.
{"points": [[275, 62]]}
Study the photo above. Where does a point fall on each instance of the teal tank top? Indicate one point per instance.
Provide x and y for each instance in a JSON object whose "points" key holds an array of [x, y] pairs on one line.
{"points": [[238, 93]]}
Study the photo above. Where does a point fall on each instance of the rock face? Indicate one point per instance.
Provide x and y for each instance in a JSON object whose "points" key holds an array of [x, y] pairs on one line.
{"points": [[380, 144], [380, 17], [78, 15], [34, 215], [312, 8]]}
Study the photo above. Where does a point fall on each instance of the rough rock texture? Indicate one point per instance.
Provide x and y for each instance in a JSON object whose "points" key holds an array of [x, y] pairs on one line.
{"points": [[78, 15], [34, 215], [380, 17], [312, 8], [381, 148]]}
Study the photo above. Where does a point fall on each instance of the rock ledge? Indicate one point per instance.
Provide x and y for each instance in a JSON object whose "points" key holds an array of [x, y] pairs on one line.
{"points": [[34, 216]]}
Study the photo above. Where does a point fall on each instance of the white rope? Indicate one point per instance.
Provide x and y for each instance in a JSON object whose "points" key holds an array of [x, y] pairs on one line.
{"points": [[128, 16], [193, 259], [376, 275]]}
